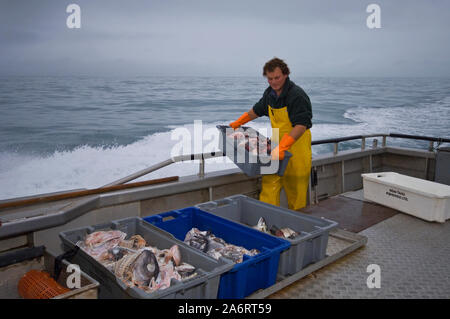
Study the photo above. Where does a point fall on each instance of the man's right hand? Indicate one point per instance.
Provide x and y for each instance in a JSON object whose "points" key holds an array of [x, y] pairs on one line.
{"points": [[241, 121]]}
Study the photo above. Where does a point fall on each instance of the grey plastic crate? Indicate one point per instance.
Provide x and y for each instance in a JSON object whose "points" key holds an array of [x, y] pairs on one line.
{"points": [[307, 248], [250, 164], [205, 285]]}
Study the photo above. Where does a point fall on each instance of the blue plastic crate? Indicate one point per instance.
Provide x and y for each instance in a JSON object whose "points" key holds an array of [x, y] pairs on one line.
{"points": [[255, 272]]}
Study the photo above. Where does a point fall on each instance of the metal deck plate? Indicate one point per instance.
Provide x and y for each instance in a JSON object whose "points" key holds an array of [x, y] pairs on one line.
{"points": [[340, 243], [413, 255], [352, 214]]}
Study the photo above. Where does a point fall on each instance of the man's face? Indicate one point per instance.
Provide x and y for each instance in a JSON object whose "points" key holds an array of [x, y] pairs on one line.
{"points": [[276, 79]]}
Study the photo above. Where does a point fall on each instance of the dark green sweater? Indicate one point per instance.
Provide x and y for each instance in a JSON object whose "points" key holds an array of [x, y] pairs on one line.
{"points": [[292, 96]]}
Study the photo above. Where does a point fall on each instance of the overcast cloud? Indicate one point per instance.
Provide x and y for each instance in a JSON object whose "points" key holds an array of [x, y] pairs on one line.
{"points": [[193, 37]]}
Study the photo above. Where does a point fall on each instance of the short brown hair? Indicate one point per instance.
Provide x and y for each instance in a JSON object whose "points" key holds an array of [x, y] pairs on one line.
{"points": [[271, 65]]}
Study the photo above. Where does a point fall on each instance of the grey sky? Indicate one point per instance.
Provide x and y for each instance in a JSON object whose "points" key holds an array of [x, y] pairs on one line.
{"points": [[193, 37]]}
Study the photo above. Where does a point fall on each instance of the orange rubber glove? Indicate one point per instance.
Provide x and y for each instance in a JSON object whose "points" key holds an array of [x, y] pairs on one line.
{"points": [[285, 143], [241, 121]]}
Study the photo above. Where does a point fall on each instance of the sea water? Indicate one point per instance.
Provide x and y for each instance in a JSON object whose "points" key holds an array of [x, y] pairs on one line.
{"points": [[62, 133]]}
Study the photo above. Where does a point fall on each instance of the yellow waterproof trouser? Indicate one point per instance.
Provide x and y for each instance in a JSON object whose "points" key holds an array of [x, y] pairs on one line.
{"points": [[295, 180]]}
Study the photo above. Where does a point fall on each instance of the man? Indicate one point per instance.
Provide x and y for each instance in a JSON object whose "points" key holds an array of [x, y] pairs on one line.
{"points": [[289, 109]]}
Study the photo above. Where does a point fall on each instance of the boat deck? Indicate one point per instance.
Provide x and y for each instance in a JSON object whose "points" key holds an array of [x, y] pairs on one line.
{"points": [[351, 211], [413, 255]]}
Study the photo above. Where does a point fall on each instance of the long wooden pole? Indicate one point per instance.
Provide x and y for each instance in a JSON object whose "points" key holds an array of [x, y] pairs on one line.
{"points": [[50, 198]]}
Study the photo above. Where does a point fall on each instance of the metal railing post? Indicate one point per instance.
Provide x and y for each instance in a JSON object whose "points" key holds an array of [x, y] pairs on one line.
{"points": [[201, 172], [335, 151]]}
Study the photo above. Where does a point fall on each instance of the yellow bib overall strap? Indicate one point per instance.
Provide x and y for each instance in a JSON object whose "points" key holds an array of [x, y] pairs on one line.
{"points": [[296, 177]]}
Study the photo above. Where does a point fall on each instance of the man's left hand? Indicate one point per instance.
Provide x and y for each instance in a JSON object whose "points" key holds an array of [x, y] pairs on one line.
{"points": [[276, 154], [285, 143]]}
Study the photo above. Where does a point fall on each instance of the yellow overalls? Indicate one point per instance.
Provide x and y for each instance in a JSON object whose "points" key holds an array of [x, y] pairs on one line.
{"points": [[296, 177]]}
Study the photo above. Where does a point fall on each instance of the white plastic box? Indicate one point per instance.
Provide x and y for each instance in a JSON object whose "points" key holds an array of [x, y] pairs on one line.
{"points": [[421, 198]]}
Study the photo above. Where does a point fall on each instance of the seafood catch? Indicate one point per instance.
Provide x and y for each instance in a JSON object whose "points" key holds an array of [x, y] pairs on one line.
{"points": [[135, 262], [285, 232], [135, 242], [99, 244], [255, 145], [216, 247], [261, 225], [137, 268]]}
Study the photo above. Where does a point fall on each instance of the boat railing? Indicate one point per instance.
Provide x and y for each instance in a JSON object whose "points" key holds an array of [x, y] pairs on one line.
{"points": [[363, 138], [203, 156]]}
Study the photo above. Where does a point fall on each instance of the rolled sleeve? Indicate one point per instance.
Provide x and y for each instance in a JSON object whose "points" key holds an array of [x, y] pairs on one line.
{"points": [[300, 112], [260, 108]]}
